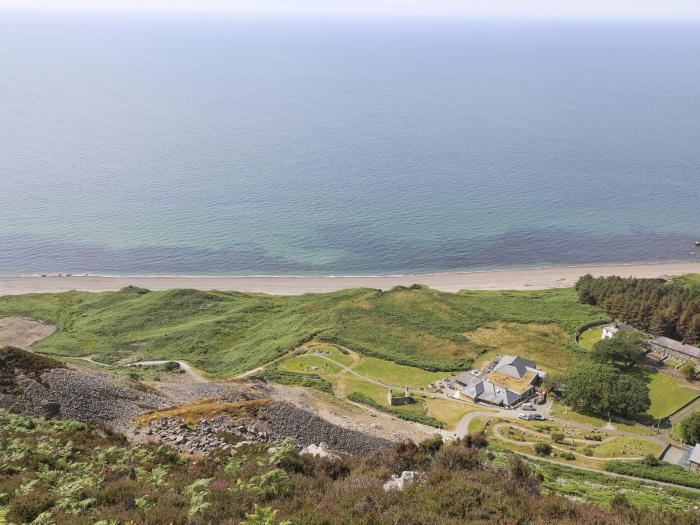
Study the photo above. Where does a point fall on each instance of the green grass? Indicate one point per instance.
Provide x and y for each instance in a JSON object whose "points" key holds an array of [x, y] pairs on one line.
{"points": [[667, 393], [561, 411], [662, 472], [290, 378], [600, 489], [308, 364], [449, 412], [590, 337], [625, 446], [691, 280], [223, 333], [393, 374], [355, 384], [334, 353]]}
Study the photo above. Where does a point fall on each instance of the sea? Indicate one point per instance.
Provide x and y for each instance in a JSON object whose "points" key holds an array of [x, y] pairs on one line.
{"points": [[202, 144]]}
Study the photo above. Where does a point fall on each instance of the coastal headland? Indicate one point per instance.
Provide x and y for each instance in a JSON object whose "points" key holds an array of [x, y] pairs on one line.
{"points": [[517, 279]]}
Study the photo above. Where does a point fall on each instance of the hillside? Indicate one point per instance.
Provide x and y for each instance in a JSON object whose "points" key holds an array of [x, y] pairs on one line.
{"points": [[65, 472], [224, 333]]}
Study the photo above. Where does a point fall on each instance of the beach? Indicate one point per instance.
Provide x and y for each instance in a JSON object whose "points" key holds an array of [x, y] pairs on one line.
{"points": [[523, 279]]}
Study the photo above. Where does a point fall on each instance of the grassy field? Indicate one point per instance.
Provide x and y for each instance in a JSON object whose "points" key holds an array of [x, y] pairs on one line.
{"points": [[308, 364], [590, 337], [224, 333], [561, 411], [545, 344], [667, 393], [449, 412], [691, 280], [393, 374]]}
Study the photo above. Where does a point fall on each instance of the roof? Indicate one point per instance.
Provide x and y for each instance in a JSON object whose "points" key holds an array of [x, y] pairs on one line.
{"points": [[468, 379], [487, 391], [514, 366], [516, 384], [695, 454], [676, 346]]}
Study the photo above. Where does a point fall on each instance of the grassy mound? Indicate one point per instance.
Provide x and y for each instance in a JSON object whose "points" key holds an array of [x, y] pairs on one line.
{"points": [[227, 332]]}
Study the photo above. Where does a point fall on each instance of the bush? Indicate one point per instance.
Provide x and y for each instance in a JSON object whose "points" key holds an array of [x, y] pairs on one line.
{"points": [[458, 457], [558, 437], [568, 456], [688, 371], [543, 449], [25, 509]]}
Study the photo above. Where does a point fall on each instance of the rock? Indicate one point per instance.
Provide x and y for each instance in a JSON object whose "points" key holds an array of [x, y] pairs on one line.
{"points": [[319, 451], [399, 482]]}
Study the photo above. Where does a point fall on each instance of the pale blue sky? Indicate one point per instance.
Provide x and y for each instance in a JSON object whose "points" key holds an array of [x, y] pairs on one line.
{"points": [[645, 9]]}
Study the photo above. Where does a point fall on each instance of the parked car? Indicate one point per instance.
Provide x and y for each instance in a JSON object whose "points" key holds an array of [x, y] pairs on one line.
{"points": [[528, 406], [526, 417], [539, 417]]}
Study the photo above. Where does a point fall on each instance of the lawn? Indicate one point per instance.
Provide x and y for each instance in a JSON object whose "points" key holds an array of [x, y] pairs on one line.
{"points": [[561, 411], [397, 375], [626, 446], [667, 393], [590, 337], [449, 412], [308, 364], [691, 280], [333, 352]]}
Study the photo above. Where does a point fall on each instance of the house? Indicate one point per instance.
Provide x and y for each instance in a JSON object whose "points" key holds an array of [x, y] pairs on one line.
{"points": [[676, 350], [394, 398], [611, 330], [512, 380]]}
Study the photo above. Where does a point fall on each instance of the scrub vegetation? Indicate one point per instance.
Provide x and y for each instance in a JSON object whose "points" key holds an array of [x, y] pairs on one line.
{"points": [[224, 333], [65, 472]]}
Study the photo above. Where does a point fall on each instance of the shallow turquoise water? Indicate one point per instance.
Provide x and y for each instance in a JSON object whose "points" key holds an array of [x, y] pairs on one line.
{"points": [[293, 146]]}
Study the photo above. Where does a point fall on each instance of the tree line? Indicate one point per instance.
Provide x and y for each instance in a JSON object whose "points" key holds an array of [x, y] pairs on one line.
{"points": [[660, 308]]}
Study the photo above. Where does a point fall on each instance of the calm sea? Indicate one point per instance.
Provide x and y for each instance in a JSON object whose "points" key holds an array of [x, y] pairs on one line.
{"points": [[221, 145]]}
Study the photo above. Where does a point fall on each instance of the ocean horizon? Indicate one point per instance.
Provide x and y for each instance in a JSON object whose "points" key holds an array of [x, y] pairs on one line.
{"points": [[248, 146]]}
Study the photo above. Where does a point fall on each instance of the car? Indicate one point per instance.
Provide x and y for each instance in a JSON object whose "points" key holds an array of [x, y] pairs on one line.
{"points": [[526, 417], [528, 406], [539, 417]]}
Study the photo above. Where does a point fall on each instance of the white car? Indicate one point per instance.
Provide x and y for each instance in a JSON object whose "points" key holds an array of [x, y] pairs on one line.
{"points": [[526, 417], [528, 406], [538, 417]]}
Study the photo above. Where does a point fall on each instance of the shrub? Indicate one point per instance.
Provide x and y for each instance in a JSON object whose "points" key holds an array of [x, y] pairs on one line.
{"points": [[558, 437], [688, 371], [458, 457], [25, 509], [543, 449], [568, 456]]}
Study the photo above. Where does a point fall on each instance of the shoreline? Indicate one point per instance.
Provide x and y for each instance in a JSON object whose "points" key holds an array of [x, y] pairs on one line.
{"points": [[507, 279]]}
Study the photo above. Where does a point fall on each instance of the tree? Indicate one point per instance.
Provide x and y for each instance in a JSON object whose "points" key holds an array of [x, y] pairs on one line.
{"points": [[624, 348], [687, 370], [601, 389], [690, 429]]}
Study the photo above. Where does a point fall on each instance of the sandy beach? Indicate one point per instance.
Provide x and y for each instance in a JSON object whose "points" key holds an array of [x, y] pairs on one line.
{"points": [[525, 279]]}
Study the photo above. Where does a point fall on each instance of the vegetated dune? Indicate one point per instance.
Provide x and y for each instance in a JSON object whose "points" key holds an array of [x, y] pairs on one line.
{"points": [[224, 333]]}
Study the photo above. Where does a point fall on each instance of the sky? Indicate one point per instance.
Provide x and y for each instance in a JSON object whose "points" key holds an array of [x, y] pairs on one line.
{"points": [[614, 9]]}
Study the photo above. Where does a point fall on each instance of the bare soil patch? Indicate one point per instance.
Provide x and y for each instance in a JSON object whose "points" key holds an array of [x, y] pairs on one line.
{"points": [[22, 332]]}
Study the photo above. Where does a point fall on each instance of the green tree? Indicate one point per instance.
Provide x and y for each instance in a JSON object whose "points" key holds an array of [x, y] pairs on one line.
{"points": [[624, 348], [687, 370], [690, 429], [601, 389]]}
